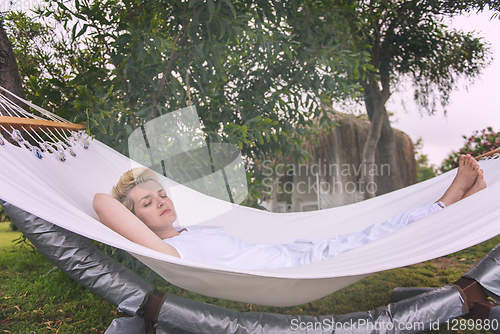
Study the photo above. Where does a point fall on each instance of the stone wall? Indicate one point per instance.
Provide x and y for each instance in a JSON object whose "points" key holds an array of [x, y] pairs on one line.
{"points": [[335, 167]]}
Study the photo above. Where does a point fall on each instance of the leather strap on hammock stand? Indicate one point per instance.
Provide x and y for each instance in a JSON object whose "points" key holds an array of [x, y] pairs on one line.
{"points": [[476, 299], [151, 308], [478, 306]]}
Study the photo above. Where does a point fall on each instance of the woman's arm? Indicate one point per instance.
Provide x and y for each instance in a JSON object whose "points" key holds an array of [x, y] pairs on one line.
{"points": [[117, 217]]}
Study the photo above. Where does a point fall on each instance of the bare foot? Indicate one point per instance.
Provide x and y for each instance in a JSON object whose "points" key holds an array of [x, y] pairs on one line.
{"points": [[468, 171], [480, 184]]}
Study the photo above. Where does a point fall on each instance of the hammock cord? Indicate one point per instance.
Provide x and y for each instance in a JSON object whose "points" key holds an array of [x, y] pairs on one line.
{"points": [[58, 142]]}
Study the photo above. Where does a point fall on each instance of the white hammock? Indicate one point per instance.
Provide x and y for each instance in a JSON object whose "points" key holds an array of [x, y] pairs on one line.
{"points": [[62, 193]]}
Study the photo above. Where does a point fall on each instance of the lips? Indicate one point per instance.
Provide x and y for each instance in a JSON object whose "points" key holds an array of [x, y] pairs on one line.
{"points": [[165, 212]]}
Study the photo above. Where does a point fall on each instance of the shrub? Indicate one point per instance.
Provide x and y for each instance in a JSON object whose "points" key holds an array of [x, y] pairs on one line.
{"points": [[478, 143]]}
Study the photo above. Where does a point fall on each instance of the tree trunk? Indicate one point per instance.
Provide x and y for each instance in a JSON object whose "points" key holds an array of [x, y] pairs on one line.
{"points": [[380, 137], [368, 177], [387, 178], [9, 72]]}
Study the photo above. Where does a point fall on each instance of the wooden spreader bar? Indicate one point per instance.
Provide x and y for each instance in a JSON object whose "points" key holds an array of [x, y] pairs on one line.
{"points": [[487, 154], [37, 124]]}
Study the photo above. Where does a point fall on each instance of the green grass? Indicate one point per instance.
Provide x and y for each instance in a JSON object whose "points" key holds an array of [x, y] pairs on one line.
{"points": [[36, 298], [6, 235]]}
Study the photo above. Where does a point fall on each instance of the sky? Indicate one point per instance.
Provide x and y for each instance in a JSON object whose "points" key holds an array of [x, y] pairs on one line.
{"points": [[473, 108]]}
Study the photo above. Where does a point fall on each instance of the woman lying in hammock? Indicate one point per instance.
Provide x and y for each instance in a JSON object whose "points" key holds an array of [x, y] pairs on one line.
{"points": [[141, 211]]}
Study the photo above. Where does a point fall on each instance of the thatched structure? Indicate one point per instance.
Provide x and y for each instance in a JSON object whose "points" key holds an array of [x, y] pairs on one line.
{"points": [[335, 169]]}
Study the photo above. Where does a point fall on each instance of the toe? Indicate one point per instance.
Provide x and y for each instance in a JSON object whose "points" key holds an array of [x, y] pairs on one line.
{"points": [[470, 160], [462, 160], [467, 160]]}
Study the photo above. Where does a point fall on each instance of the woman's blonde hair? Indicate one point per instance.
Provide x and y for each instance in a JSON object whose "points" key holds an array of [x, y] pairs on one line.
{"points": [[128, 181]]}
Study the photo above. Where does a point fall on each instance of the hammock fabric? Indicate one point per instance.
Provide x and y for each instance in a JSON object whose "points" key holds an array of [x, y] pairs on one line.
{"points": [[132, 294], [59, 188], [62, 192]]}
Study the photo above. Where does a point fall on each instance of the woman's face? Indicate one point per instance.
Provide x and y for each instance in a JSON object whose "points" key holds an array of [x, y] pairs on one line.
{"points": [[153, 207]]}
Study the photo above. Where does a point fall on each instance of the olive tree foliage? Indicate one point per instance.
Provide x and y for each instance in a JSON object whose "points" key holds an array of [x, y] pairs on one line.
{"points": [[257, 71], [409, 41], [467, 6]]}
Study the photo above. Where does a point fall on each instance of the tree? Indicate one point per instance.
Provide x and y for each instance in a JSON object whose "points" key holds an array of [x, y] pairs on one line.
{"points": [[409, 40], [257, 71], [9, 73], [255, 82]]}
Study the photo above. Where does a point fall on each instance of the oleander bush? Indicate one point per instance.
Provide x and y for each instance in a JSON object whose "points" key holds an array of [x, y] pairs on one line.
{"points": [[478, 143]]}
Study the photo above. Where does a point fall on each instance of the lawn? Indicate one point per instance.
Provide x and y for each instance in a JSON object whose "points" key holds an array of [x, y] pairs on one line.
{"points": [[37, 298], [6, 236]]}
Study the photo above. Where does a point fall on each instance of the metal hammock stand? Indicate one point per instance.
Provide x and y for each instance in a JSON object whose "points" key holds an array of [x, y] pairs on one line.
{"points": [[79, 258]]}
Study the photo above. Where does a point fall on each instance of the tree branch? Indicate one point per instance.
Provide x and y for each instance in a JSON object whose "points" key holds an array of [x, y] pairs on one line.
{"points": [[168, 69]]}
